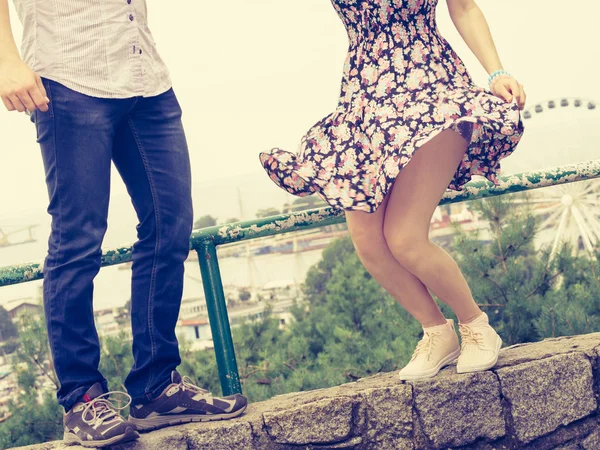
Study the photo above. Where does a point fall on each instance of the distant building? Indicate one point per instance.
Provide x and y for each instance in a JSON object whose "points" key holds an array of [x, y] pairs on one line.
{"points": [[192, 307], [280, 290], [195, 331], [107, 324], [19, 308]]}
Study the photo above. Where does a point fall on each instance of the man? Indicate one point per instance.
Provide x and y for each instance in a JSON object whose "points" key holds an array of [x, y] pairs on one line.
{"points": [[96, 89]]}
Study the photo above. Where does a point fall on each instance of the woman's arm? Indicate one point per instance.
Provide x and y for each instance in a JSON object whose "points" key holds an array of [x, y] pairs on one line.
{"points": [[472, 26], [20, 87]]}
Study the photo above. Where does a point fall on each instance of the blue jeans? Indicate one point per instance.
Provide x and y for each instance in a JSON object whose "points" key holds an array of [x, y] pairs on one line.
{"points": [[79, 137]]}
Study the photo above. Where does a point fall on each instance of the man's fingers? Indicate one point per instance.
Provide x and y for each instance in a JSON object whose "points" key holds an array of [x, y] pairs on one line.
{"points": [[26, 100], [8, 104], [39, 96], [17, 103], [41, 87]]}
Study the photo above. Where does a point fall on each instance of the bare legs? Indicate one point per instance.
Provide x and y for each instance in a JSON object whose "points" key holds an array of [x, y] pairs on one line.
{"points": [[393, 242], [370, 244]]}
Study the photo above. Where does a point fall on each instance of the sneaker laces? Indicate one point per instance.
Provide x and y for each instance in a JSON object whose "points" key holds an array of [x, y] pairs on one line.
{"points": [[426, 345], [188, 385], [102, 409], [470, 336]]}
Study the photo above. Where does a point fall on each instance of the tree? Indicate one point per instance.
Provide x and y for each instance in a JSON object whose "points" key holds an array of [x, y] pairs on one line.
{"points": [[527, 295], [33, 354], [29, 421], [8, 330], [205, 222], [32, 422], [116, 359], [574, 309]]}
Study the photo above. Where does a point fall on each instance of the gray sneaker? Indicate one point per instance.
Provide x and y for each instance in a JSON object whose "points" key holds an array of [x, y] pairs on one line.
{"points": [[96, 422], [183, 402]]}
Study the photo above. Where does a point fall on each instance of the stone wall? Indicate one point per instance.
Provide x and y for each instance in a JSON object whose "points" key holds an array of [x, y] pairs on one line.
{"points": [[539, 396]]}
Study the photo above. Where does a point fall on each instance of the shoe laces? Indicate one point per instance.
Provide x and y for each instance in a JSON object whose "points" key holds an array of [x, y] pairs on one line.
{"points": [[188, 385], [426, 344], [469, 336], [101, 409]]}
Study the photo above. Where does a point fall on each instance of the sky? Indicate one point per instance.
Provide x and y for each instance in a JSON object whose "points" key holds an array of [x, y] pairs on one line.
{"points": [[252, 75]]}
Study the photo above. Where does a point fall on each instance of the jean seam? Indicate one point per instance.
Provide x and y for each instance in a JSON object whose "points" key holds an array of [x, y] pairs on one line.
{"points": [[51, 306], [156, 254]]}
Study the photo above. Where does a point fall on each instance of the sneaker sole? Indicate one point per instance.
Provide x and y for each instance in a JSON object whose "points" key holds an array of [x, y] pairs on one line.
{"points": [[154, 423], [482, 367], [451, 358], [129, 435]]}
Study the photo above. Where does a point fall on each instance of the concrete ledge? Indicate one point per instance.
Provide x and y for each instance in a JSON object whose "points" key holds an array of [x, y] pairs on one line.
{"points": [[540, 396]]}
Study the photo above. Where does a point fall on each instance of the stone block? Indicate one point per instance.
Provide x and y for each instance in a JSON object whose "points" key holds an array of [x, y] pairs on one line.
{"points": [[389, 417], [548, 393], [520, 353], [321, 422], [221, 435], [171, 438], [592, 442], [459, 409], [568, 447]]}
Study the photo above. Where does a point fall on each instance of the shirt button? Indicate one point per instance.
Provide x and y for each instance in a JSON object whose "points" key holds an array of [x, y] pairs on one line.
{"points": [[140, 51], [131, 17], [129, 2]]}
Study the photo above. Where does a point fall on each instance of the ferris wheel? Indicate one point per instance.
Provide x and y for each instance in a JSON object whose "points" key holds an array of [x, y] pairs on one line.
{"points": [[568, 213]]}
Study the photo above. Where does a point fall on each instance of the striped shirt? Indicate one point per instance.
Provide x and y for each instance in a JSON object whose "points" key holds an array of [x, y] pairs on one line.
{"points": [[101, 48]]}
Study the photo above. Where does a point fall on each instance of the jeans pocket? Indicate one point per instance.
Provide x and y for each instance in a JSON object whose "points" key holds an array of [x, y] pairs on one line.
{"points": [[47, 86]]}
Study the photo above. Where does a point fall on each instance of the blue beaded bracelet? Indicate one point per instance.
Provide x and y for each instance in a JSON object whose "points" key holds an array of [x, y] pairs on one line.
{"points": [[497, 74]]}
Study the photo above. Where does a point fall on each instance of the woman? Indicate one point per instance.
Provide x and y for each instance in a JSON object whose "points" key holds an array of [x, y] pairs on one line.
{"points": [[410, 124]]}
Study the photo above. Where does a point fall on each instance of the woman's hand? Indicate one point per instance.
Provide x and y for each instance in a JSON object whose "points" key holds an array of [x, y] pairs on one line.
{"points": [[20, 87], [509, 89]]}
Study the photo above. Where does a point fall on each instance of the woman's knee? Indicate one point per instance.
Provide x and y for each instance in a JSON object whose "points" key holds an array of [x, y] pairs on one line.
{"points": [[370, 247], [405, 245]]}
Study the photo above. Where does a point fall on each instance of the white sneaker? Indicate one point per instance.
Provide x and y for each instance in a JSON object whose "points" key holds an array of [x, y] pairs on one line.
{"points": [[438, 348], [480, 346]]}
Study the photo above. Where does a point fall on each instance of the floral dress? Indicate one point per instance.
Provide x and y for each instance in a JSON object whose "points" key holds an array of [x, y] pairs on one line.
{"points": [[403, 84]]}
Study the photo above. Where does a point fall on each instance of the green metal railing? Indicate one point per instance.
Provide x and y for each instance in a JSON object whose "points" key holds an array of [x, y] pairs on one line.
{"points": [[205, 243]]}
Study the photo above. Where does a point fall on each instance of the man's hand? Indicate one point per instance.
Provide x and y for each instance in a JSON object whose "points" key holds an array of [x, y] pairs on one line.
{"points": [[21, 88]]}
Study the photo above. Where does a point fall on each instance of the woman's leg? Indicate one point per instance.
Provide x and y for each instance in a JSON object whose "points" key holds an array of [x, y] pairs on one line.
{"points": [[367, 235], [413, 199], [439, 345]]}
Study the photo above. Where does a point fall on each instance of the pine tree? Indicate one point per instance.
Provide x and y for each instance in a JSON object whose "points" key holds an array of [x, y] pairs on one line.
{"points": [[518, 286]]}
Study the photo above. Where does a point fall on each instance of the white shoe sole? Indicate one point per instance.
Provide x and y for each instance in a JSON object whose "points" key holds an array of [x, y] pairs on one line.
{"points": [[451, 358], [155, 423], [483, 366], [129, 435]]}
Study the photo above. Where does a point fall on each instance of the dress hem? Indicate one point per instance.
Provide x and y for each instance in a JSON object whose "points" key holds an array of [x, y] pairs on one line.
{"points": [[493, 168]]}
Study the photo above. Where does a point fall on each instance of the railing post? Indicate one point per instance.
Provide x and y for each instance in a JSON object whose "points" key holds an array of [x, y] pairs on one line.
{"points": [[219, 319]]}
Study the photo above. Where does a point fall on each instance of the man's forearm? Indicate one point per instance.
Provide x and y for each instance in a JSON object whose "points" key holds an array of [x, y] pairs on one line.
{"points": [[8, 48]]}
